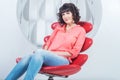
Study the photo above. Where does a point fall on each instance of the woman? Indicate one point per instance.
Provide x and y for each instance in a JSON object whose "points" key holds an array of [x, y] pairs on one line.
{"points": [[64, 44]]}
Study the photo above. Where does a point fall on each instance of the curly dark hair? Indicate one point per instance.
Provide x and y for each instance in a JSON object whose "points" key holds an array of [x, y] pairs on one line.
{"points": [[66, 7]]}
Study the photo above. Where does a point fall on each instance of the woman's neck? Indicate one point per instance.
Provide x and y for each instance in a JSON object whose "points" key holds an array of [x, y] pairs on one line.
{"points": [[69, 26]]}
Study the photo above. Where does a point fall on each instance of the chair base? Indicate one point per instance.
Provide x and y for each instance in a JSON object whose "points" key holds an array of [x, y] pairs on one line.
{"points": [[50, 78]]}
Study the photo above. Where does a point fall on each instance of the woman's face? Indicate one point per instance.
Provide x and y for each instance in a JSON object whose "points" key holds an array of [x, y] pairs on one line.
{"points": [[67, 17]]}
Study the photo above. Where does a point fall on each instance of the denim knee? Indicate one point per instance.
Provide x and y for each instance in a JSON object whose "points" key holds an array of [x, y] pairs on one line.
{"points": [[36, 57], [25, 60], [40, 54], [38, 50]]}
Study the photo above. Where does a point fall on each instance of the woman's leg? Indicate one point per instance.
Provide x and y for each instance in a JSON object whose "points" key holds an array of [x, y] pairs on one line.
{"points": [[43, 57], [19, 69]]}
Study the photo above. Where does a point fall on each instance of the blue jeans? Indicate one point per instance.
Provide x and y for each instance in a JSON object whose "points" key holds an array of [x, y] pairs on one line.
{"points": [[33, 63]]}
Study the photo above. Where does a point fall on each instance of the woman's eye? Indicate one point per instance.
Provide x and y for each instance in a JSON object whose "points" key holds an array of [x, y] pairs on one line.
{"points": [[67, 13], [63, 14]]}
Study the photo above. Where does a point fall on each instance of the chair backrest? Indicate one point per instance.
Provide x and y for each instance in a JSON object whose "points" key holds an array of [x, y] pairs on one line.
{"points": [[86, 25]]}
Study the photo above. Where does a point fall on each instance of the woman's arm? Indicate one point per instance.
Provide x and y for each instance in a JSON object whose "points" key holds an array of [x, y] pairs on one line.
{"points": [[78, 45], [66, 54]]}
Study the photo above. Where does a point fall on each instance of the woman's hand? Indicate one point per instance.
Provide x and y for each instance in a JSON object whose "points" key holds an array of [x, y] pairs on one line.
{"points": [[66, 54], [46, 48]]}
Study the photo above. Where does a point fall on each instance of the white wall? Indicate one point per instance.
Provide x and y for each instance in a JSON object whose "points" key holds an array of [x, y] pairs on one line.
{"points": [[103, 63], [12, 41]]}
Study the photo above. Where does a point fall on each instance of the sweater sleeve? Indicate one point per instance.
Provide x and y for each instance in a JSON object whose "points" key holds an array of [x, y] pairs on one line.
{"points": [[78, 45], [51, 37]]}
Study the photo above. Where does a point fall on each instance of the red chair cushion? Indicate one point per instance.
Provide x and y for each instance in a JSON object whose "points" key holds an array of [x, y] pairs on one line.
{"points": [[64, 70], [88, 42], [80, 60]]}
